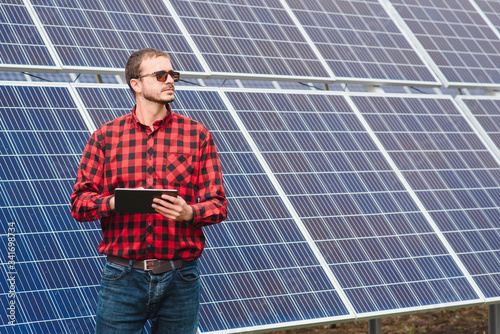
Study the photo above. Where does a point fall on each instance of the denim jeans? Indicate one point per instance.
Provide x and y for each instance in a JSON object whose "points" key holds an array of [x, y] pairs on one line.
{"points": [[129, 297]]}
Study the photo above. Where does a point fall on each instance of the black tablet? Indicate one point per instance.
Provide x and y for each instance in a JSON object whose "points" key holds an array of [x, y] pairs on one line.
{"points": [[138, 200]]}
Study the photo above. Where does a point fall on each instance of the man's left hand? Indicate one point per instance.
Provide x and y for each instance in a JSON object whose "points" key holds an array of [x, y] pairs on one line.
{"points": [[174, 208]]}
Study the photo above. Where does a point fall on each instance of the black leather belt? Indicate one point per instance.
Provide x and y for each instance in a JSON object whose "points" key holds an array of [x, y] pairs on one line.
{"points": [[153, 265]]}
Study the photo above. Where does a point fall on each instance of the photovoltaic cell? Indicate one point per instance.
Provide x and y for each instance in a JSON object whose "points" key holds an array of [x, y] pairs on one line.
{"points": [[103, 34], [377, 243], [249, 37], [20, 41], [359, 40], [456, 37], [451, 171], [42, 137], [257, 268]]}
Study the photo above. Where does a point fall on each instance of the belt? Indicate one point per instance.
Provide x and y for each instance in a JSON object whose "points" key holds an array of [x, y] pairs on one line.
{"points": [[153, 265]]}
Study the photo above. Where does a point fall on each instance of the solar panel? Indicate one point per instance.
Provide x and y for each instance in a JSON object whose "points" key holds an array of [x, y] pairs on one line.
{"points": [[42, 137], [463, 47], [92, 36], [258, 270], [451, 171], [250, 39], [379, 245], [360, 42], [21, 44]]}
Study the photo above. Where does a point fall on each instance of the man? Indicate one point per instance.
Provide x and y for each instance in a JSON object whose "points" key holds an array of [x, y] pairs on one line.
{"points": [[151, 270]]}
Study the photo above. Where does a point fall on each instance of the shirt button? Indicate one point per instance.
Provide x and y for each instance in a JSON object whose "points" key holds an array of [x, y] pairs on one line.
{"points": [[150, 158], [149, 246], [149, 224], [149, 179]]}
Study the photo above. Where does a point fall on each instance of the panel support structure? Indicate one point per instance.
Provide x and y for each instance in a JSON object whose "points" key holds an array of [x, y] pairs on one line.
{"points": [[375, 326], [493, 316]]}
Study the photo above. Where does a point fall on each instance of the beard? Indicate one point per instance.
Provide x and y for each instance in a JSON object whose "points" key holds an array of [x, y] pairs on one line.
{"points": [[152, 98]]}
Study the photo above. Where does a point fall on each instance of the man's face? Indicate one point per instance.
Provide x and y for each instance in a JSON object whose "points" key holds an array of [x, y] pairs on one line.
{"points": [[152, 89]]}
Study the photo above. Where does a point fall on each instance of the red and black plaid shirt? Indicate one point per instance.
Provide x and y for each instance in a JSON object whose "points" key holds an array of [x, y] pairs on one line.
{"points": [[178, 154]]}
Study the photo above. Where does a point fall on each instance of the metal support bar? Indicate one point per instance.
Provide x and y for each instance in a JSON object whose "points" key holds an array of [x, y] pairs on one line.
{"points": [[493, 316], [375, 326]]}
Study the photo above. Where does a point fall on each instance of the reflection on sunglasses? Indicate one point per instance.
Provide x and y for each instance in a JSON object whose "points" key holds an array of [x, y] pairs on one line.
{"points": [[162, 75]]}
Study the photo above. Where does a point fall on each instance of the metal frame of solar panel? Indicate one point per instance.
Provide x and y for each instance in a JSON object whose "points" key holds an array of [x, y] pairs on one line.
{"points": [[454, 175], [23, 45], [457, 42], [361, 43]]}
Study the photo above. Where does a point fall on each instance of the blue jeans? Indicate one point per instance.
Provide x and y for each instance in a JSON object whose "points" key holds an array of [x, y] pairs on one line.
{"points": [[129, 297]]}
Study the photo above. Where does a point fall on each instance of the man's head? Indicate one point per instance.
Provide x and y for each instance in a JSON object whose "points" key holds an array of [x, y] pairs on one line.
{"points": [[146, 75]]}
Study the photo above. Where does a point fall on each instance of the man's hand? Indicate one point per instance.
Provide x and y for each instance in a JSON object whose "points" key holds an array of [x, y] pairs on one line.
{"points": [[112, 203], [174, 208]]}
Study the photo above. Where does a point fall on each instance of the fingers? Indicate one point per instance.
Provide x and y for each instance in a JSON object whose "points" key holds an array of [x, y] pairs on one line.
{"points": [[173, 207], [168, 206]]}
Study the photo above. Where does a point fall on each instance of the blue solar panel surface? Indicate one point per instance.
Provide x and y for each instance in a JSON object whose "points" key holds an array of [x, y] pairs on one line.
{"points": [[451, 171], [380, 247], [42, 137], [359, 40], [461, 44], [249, 37], [20, 41], [104, 33], [257, 268]]}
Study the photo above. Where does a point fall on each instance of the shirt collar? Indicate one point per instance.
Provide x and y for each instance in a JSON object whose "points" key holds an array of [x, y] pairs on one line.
{"points": [[157, 124]]}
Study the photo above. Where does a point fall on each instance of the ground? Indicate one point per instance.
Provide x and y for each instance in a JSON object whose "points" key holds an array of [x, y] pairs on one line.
{"points": [[469, 320]]}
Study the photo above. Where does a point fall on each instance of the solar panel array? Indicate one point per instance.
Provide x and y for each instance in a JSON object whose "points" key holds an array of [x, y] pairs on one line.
{"points": [[359, 39], [367, 227], [342, 206], [369, 41], [454, 175], [463, 47], [102, 34]]}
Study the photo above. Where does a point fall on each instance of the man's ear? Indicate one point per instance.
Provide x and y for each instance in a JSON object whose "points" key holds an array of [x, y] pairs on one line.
{"points": [[136, 85]]}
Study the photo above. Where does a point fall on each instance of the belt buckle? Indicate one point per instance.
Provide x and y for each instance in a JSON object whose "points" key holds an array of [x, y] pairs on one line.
{"points": [[154, 263]]}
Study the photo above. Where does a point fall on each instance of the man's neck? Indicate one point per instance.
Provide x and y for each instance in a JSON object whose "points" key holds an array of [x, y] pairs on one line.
{"points": [[148, 113]]}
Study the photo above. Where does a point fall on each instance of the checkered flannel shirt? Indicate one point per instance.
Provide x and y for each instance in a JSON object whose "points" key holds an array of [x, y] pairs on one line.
{"points": [[178, 154]]}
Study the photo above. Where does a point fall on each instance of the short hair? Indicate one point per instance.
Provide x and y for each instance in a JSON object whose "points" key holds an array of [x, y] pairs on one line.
{"points": [[133, 66]]}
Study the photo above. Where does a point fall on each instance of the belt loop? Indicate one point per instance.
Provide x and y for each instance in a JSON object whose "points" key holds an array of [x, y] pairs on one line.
{"points": [[172, 264], [130, 264]]}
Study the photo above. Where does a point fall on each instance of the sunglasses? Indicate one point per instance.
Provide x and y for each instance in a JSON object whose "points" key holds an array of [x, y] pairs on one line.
{"points": [[162, 75]]}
